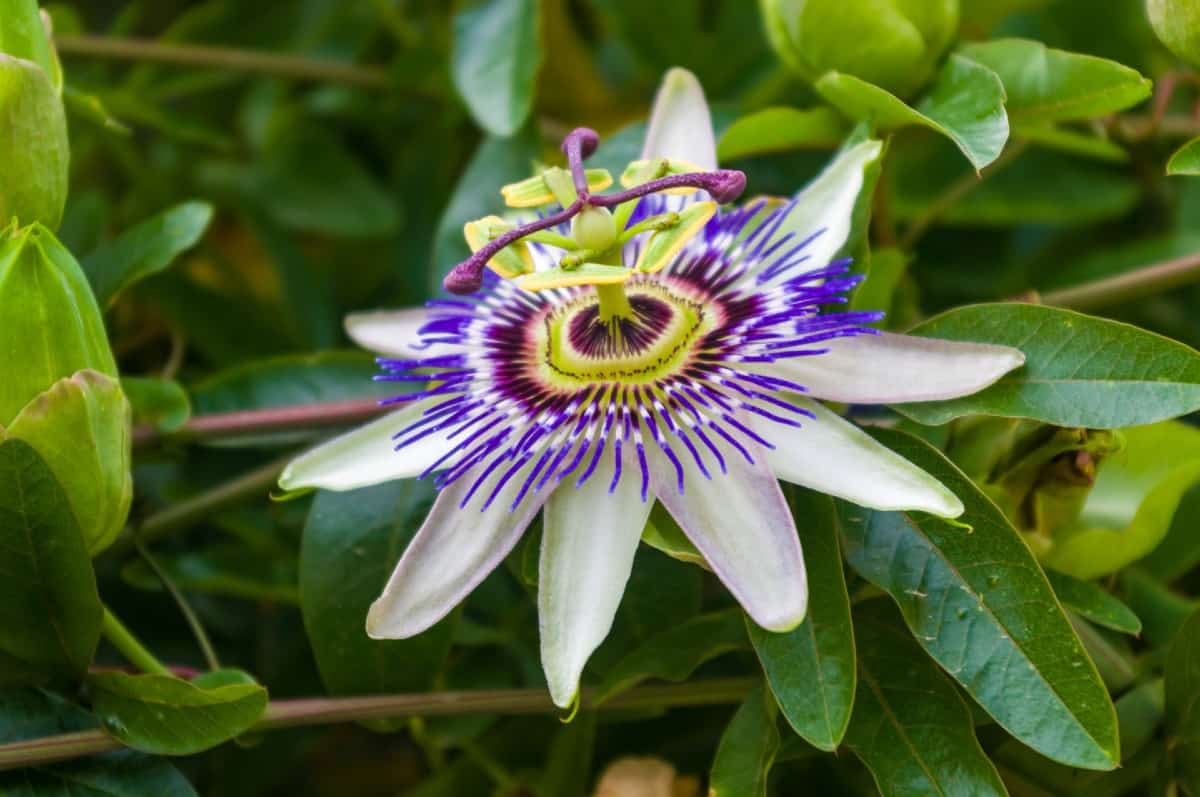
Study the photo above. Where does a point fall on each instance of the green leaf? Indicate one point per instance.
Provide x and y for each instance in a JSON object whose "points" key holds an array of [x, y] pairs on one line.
{"points": [[1161, 610], [145, 249], [1182, 685], [1051, 85], [33, 145], [165, 715], [977, 601], [811, 669], [1129, 510], [780, 129], [966, 105], [49, 609], [497, 162], [1186, 159], [496, 56], [351, 543], [308, 180], [747, 750], [1039, 187], [569, 758], [27, 714], [1092, 602], [886, 271], [1110, 652], [1070, 141], [910, 727], [161, 403], [1179, 551], [1079, 370], [675, 653]]}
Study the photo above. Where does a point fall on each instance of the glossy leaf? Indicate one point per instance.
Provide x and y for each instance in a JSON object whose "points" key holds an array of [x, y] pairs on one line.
{"points": [[1186, 159], [780, 129], [1039, 187], [30, 714], [570, 756], [910, 727], [1079, 370], [307, 180], [1129, 510], [495, 61], [1051, 85], [747, 750], [966, 105], [162, 403], [1070, 141], [165, 715], [1182, 684], [351, 543], [811, 669], [675, 653], [49, 609], [145, 249], [1163, 611], [1092, 602], [977, 601]]}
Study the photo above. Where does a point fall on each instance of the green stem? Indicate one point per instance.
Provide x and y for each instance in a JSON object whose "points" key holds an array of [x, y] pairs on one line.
{"points": [[288, 66], [955, 193], [1144, 281], [193, 510], [325, 711], [134, 651], [185, 608]]}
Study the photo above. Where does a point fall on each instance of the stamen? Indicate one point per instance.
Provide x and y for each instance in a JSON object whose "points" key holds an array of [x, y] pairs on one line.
{"points": [[725, 185]]}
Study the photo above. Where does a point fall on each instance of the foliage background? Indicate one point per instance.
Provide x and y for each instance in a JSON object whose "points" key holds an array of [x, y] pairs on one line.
{"points": [[281, 202]]}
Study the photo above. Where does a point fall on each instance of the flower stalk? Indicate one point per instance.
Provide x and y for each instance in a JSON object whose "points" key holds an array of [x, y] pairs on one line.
{"points": [[328, 711], [130, 647]]}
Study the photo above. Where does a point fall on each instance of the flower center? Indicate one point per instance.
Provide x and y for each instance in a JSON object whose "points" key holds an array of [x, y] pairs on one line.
{"points": [[578, 347]]}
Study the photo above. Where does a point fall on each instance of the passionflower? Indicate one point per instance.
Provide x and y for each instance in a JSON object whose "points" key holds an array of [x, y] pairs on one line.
{"points": [[639, 346]]}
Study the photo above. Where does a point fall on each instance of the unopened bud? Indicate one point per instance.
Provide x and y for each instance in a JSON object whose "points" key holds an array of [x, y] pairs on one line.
{"points": [[894, 44], [1177, 23], [60, 392]]}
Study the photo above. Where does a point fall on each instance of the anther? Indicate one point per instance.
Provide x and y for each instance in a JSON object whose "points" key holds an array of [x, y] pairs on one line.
{"points": [[725, 185]]}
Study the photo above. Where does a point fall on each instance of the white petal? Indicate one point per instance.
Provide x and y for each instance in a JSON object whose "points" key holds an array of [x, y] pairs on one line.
{"points": [[680, 126], [825, 206], [741, 522], [367, 455], [587, 554], [390, 332], [887, 369], [455, 549], [834, 456]]}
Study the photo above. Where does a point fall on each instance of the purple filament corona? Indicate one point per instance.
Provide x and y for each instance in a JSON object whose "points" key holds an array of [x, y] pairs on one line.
{"points": [[504, 422]]}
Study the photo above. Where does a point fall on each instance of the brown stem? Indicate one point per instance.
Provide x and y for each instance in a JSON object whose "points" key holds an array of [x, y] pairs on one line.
{"points": [[254, 422], [289, 66], [193, 510], [1131, 285], [325, 711]]}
